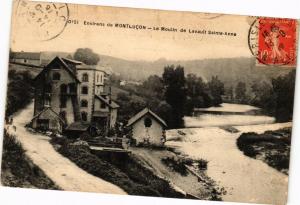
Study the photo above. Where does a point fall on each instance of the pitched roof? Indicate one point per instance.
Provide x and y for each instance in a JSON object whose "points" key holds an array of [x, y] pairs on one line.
{"points": [[26, 55], [112, 104], [72, 61], [142, 113], [64, 65], [44, 110], [78, 126]]}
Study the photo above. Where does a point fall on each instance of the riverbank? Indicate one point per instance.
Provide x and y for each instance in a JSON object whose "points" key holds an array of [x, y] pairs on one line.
{"points": [[185, 175], [121, 169], [272, 147]]}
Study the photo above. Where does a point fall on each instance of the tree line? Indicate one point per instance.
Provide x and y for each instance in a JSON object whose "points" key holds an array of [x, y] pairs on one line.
{"points": [[172, 95]]}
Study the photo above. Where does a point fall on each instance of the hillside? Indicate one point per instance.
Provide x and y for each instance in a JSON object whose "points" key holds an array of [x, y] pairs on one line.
{"points": [[229, 70]]}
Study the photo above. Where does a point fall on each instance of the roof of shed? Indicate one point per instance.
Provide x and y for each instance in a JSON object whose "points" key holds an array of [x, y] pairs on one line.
{"points": [[112, 104], [78, 126], [44, 110], [142, 113]]}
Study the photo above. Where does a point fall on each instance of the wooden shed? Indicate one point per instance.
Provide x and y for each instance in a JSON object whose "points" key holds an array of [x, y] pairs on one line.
{"points": [[147, 128], [47, 119]]}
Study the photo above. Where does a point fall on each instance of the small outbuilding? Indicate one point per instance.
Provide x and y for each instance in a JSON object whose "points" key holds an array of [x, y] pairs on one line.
{"points": [[147, 128], [46, 120]]}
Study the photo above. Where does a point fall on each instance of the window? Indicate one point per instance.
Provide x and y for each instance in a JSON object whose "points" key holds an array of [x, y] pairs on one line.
{"points": [[147, 122], [85, 77], [63, 89], [97, 78], [84, 103], [84, 116], [56, 76], [84, 90], [102, 105], [47, 102], [101, 79], [63, 102]]}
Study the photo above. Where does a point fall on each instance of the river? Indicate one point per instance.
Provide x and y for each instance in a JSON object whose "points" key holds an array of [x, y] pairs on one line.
{"points": [[244, 179]]}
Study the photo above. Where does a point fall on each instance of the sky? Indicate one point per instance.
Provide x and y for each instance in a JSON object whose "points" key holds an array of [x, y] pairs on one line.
{"points": [[131, 44]]}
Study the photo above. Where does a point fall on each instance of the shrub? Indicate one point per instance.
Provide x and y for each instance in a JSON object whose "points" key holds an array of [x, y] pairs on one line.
{"points": [[202, 164], [176, 164]]}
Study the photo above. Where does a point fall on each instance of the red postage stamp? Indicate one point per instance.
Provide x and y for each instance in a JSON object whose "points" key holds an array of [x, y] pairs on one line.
{"points": [[273, 41]]}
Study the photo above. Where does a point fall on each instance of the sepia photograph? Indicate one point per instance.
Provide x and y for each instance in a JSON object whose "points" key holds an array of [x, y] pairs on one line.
{"points": [[149, 102]]}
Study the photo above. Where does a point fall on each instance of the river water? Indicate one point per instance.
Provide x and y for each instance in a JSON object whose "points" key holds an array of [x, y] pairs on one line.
{"points": [[244, 179], [227, 115]]}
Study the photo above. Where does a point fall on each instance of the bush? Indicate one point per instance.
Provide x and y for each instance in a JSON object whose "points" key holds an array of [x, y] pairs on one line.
{"points": [[273, 147], [125, 173], [175, 164], [202, 164], [19, 91]]}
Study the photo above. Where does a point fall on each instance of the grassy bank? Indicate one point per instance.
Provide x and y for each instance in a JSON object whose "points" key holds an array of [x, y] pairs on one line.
{"points": [[19, 171], [124, 171], [272, 147]]}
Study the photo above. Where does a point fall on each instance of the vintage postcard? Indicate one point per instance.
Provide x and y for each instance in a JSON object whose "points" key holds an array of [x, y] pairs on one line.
{"points": [[149, 102]]}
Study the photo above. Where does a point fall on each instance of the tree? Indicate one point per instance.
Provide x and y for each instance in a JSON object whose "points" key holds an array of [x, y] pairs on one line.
{"points": [[153, 87], [87, 56], [175, 93], [129, 106], [284, 89], [216, 88], [240, 92], [277, 98], [230, 94], [198, 94]]}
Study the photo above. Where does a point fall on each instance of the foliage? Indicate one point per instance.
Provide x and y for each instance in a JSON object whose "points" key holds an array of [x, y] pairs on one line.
{"points": [[171, 96], [277, 98], [175, 164], [198, 94], [216, 88], [175, 93], [129, 106], [122, 171], [273, 147], [19, 92], [240, 93], [18, 170], [87, 56], [202, 164], [114, 79], [284, 89]]}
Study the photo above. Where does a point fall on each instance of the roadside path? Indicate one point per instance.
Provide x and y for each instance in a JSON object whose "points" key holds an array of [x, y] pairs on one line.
{"points": [[59, 169], [245, 179]]}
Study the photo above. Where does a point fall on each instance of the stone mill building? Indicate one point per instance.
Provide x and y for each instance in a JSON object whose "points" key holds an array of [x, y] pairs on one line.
{"points": [[72, 95]]}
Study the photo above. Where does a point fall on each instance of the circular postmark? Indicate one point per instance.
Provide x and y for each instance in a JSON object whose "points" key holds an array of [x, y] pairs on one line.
{"points": [[272, 41], [45, 20]]}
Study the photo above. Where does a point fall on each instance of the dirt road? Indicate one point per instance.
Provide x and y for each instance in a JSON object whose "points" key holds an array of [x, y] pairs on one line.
{"points": [[59, 169]]}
